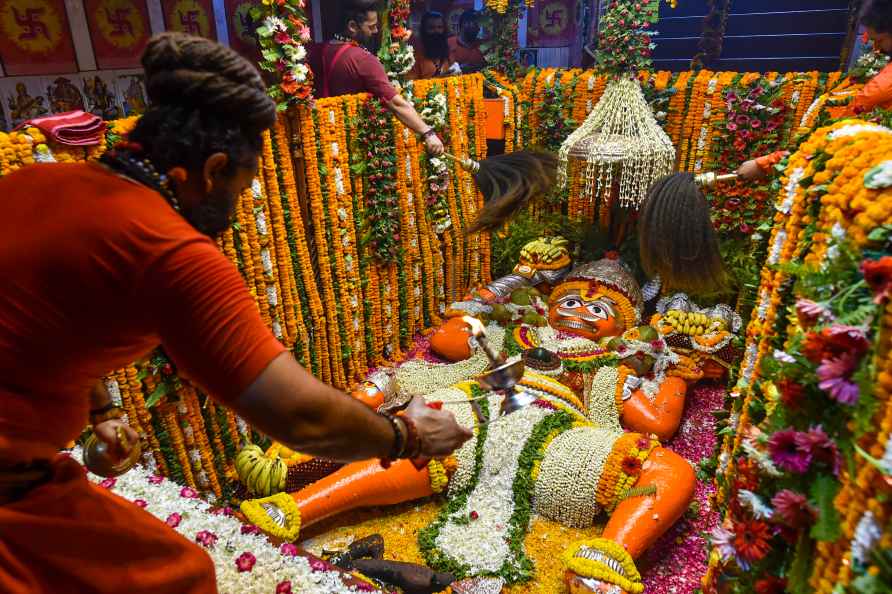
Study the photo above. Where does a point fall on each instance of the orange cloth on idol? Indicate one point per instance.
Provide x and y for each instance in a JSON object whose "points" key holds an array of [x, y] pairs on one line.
{"points": [[97, 271]]}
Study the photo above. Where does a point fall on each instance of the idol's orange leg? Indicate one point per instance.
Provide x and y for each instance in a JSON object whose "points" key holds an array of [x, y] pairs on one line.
{"points": [[660, 416], [361, 484], [638, 522]]}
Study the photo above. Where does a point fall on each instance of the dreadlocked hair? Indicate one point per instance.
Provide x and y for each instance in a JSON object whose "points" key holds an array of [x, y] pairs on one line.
{"points": [[508, 182], [676, 237], [204, 98]]}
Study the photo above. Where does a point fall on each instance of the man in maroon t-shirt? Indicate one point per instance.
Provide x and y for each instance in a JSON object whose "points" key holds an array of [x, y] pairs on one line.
{"points": [[345, 65]]}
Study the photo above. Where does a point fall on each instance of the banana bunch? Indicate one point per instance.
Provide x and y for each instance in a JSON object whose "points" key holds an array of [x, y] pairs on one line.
{"points": [[262, 475], [691, 323], [544, 250]]}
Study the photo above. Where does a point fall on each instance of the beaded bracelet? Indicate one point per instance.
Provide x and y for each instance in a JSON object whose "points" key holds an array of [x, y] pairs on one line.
{"points": [[105, 413], [399, 444], [413, 439]]}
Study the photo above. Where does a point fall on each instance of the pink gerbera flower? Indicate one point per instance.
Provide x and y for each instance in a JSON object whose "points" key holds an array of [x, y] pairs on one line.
{"points": [[792, 509], [786, 454], [820, 447], [835, 379]]}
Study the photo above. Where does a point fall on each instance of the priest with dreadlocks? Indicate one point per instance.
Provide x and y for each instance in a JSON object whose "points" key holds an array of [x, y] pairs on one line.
{"points": [[101, 263]]}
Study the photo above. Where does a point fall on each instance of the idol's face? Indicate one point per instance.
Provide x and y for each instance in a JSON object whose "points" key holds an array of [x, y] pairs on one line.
{"points": [[593, 318]]}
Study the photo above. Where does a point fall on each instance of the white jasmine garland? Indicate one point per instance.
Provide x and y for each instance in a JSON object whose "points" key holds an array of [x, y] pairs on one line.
{"points": [[791, 190], [111, 384], [855, 129], [755, 504], [482, 544], [221, 537], [867, 534]]}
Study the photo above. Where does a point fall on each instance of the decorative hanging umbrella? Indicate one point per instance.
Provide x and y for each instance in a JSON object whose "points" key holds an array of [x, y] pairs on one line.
{"points": [[620, 148]]}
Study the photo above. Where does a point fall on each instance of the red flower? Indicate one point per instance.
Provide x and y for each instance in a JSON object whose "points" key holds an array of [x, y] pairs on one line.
{"points": [[792, 509], [188, 493], [289, 84], [878, 274], [206, 539], [284, 38], [173, 520], [289, 550], [751, 540], [813, 347], [245, 562], [108, 483], [771, 585], [791, 393], [474, 515], [631, 465], [156, 479], [283, 587], [140, 503]]}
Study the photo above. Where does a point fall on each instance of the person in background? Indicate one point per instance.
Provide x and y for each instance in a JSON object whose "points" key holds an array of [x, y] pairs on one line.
{"points": [[464, 48], [96, 277], [347, 64], [876, 17], [432, 49]]}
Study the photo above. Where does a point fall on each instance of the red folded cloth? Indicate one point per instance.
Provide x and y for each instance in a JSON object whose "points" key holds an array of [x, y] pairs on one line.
{"points": [[74, 128]]}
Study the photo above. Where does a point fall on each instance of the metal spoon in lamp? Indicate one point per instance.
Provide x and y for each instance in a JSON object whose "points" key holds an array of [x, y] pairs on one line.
{"points": [[501, 376]]}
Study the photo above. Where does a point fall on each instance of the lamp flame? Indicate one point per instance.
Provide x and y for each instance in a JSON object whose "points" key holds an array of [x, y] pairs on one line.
{"points": [[477, 327]]}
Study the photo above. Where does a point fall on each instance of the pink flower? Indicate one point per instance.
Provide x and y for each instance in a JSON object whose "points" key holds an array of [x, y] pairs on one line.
{"points": [[156, 479], [755, 123], [283, 587], [173, 520], [834, 375], [743, 120], [731, 126], [223, 511], [284, 38], [792, 509], [140, 503], [818, 445], [289, 550], [206, 538], [245, 562], [365, 587], [188, 493], [108, 483], [657, 345], [319, 565], [246, 529], [810, 313], [785, 452]]}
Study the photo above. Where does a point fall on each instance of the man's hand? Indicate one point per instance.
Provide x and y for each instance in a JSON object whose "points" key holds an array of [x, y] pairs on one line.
{"points": [[107, 432], [750, 171], [434, 145], [438, 431]]}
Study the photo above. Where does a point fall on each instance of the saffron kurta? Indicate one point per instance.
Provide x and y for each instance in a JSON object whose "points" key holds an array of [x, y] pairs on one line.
{"points": [[97, 271]]}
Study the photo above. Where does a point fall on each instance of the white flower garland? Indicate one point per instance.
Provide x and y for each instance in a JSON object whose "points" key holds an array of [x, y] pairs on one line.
{"points": [[482, 543], [569, 475], [418, 378], [867, 534], [245, 563]]}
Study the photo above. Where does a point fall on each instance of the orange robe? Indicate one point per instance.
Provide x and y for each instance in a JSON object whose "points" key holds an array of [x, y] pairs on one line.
{"points": [[97, 271], [876, 93]]}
